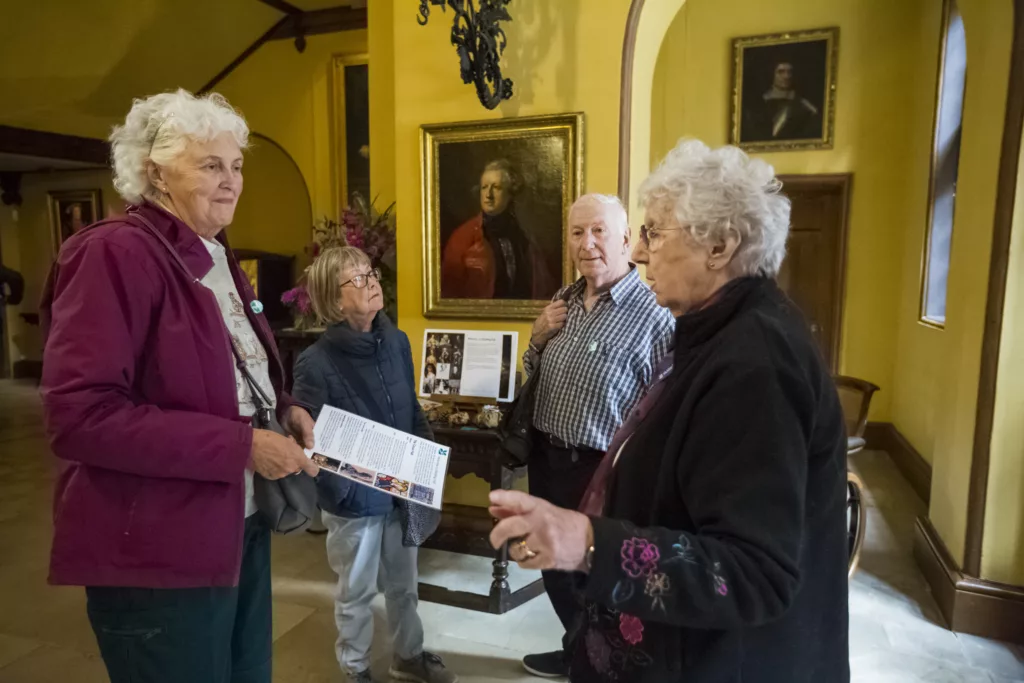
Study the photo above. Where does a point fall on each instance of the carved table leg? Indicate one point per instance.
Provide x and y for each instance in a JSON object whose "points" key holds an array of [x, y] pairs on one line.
{"points": [[501, 478], [500, 590]]}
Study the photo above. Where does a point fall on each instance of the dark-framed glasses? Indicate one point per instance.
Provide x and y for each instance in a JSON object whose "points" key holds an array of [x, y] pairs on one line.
{"points": [[360, 281]]}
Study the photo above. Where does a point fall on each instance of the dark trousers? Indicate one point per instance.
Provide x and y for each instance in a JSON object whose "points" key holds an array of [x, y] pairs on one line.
{"points": [[560, 475], [190, 635]]}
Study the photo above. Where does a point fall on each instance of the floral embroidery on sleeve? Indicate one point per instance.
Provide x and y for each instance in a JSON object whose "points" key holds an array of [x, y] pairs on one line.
{"points": [[720, 586], [612, 644], [684, 553], [631, 628], [656, 588], [639, 557], [642, 560]]}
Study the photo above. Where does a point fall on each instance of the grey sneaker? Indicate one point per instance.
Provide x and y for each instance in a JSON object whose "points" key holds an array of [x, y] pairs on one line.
{"points": [[361, 677], [427, 668]]}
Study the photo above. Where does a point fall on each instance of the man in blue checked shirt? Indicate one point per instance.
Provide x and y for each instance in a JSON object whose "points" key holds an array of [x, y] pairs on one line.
{"points": [[595, 346]]}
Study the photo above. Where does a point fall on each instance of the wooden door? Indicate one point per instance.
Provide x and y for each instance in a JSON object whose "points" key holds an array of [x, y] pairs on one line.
{"points": [[814, 271]]}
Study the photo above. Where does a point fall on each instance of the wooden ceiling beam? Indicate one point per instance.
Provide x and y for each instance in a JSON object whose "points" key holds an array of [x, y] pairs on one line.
{"points": [[282, 6], [40, 143], [296, 25], [331, 20], [237, 61]]}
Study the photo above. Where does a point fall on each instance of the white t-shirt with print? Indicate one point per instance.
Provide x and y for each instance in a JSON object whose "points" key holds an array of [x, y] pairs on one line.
{"points": [[220, 282]]}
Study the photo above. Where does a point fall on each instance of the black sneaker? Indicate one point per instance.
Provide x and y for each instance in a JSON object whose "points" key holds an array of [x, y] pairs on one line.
{"points": [[547, 665]]}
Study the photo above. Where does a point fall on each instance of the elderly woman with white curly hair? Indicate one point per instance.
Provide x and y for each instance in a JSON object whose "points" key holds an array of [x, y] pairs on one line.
{"points": [[711, 541], [155, 347]]}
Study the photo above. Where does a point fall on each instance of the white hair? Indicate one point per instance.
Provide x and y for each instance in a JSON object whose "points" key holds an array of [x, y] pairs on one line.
{"points": [[158, 128], [713, 192], [609, 201]]}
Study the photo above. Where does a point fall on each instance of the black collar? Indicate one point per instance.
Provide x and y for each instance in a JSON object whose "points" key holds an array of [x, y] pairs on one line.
{"points": [[694, 329]]}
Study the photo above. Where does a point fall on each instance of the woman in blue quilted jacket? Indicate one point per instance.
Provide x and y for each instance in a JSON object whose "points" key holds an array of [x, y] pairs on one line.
{"points": [[363, 364]]}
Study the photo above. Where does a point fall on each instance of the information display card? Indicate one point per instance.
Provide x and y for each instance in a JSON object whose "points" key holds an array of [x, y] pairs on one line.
{"points": [[469, 363]]}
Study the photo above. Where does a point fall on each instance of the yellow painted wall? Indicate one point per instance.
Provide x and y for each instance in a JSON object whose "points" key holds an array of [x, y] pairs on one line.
{"points": [[937, 371], [73, 67], [917, 387], [654, 35], [121, 54], [273, 215], [885, 106], [563, 56], [1003, 547], [27, 245], [274, 212], [879, 61], [381, 41], [285, 96]]}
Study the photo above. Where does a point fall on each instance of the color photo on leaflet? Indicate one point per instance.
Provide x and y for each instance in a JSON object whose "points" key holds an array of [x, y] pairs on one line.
{"points": [[326, 463]]}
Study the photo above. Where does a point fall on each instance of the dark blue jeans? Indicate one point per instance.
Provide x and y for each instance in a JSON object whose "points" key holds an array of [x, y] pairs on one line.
{"points": [[190, 635]]}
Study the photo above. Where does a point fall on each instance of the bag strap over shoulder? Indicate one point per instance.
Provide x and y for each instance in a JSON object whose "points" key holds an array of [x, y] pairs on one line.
{"points": [[148, 226], [261, 401]]}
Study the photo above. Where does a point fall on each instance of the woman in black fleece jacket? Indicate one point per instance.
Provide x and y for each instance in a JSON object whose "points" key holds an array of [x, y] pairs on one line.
{"points": [[713, 548]]}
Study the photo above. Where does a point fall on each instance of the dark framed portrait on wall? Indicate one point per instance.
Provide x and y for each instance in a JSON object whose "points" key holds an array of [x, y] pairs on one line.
{"points": [[351, 120], [72, 210], [784, 90], [496, 197]]}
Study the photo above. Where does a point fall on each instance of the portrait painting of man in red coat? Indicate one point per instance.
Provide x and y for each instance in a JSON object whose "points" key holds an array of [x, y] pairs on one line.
{"points": [[496, 198], [492, 255]]}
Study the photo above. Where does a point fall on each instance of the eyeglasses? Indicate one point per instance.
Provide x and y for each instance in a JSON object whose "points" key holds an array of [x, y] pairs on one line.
{"points": [[647, 234], [360, 281]]}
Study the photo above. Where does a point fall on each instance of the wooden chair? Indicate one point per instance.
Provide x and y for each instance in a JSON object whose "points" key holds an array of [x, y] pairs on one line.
{"points": [[855, 397]]}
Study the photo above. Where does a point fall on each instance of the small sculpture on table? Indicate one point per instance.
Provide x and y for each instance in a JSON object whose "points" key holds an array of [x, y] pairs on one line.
{"points": [[459, 418], [489, 417]]}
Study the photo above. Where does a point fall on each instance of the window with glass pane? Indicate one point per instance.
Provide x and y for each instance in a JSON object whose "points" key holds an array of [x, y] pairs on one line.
{"points": [[945, 166]]}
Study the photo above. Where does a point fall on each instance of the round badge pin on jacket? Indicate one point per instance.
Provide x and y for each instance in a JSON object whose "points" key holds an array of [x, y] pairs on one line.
{"points": [[256, 305]]}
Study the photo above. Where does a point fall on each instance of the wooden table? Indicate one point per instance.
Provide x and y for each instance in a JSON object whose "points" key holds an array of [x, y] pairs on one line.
{"points": [[465, 529]]}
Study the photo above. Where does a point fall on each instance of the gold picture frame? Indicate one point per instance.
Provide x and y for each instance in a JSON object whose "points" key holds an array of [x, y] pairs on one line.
{"points": [[784, 90], [340, 144], [495, 198], [70, 211]]}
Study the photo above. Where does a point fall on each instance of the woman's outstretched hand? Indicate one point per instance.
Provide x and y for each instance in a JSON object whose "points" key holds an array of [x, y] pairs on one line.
{"points": [[543, 535]]}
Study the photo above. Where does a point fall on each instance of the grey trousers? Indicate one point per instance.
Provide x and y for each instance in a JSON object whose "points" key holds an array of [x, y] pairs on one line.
{"points": [[361, 551]]}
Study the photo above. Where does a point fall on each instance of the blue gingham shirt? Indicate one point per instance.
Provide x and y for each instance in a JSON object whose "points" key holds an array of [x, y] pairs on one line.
{"points": [[593, 372]]}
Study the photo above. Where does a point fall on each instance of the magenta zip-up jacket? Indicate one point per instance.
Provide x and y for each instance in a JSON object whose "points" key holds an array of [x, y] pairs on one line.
{"points": [[141, 406]]}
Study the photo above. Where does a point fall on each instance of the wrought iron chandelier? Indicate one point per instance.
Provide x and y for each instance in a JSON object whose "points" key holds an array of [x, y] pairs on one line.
{"points": [[479, 42]]}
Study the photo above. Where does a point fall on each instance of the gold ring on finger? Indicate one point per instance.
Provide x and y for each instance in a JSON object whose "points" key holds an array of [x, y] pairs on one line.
{"points": [[527, 553]]}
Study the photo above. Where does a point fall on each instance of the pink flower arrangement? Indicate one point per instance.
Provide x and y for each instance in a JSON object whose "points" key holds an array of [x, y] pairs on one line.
{"points": [[298, 298], [361, 226]]}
